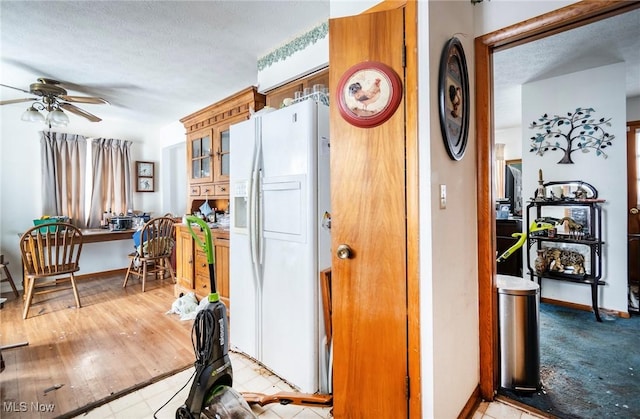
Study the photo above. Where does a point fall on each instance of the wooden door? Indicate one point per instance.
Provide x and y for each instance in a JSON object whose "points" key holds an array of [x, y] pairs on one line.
{"points": [[633, 185], [222, 270], [368, 200]]}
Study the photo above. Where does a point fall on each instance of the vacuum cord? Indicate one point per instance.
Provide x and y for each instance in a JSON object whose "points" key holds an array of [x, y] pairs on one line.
{"points": [[201, 339], [201, 336], [174, 395]]}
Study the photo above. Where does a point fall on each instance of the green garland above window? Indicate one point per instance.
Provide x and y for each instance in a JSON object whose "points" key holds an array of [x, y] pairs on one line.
{"points": [[298, 44]]}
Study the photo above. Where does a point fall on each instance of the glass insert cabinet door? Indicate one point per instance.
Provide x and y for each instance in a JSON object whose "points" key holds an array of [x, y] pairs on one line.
{"points": [[223, 154], [201, 157]]}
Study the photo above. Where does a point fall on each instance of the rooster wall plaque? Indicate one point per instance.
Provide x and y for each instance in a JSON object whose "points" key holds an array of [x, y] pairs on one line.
{"points": [[368, 94], [453, 90]]}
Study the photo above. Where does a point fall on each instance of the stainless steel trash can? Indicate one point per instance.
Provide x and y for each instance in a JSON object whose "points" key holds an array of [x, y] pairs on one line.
{"points": [[518, 310]]}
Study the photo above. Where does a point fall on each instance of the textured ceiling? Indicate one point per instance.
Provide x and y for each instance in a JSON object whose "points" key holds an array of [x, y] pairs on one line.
{"points": [[609, 41], [155, 61]]}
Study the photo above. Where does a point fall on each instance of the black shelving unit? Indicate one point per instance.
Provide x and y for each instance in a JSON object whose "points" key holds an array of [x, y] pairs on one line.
{"points": [[588, 242]]}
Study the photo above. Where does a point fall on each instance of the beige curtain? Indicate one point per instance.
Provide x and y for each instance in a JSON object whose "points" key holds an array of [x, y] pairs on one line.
{"points": [[63, 175], [111, 177]]}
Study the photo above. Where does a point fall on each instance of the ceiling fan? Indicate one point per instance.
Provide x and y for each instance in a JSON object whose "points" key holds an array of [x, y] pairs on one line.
{"points": [[51, 97]]}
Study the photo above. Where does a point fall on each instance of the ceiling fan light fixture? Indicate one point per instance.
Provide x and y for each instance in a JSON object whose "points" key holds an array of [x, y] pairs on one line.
{"points": [[57, 118], [32, 115], [52, 98]]}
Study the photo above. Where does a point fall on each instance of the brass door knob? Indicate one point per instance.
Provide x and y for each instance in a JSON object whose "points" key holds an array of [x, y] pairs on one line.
{"points": [[343, 252], [634, 210]]}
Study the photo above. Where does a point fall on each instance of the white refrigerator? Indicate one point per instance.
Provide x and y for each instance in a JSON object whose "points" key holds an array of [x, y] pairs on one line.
{"points": [[279, 196]]}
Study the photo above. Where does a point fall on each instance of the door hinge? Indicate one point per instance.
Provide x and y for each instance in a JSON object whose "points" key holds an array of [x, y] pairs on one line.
{"points": [[404, 56], [407, 387]]}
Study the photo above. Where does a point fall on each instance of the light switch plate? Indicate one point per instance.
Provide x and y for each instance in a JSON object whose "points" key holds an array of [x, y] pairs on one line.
{"points": [[443, 196]]}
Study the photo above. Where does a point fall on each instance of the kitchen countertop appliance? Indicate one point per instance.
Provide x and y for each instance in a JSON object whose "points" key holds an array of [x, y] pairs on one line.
{"points": [[120, 223]]}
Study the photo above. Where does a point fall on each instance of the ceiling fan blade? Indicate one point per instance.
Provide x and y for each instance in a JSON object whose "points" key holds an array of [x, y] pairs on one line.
{"points": [[84, 99], [15, 88], [10, 101], [74, 109]]}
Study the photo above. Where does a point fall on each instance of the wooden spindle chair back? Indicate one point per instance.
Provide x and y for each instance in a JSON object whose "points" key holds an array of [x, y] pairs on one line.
{"points": [[50, 251], [153, 256]]}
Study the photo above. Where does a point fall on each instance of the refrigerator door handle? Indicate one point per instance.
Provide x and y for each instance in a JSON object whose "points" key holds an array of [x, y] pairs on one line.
{"points": [[259, 221], [253, 198], [252, 220], [254, 235]]}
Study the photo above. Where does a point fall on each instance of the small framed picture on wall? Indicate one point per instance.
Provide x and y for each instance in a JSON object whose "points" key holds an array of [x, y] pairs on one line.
{"points": [[145, 174]]}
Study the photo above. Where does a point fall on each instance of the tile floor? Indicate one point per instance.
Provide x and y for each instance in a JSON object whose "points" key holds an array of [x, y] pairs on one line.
{"points": [[247, 376]]}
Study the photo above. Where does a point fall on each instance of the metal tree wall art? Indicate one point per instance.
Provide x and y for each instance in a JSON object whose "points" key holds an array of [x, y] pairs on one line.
{"points": [[575, 131]]}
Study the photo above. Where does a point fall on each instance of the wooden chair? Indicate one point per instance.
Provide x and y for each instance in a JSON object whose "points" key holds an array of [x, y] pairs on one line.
{"points": [[50, 252], [7, 275], [153, 255]]}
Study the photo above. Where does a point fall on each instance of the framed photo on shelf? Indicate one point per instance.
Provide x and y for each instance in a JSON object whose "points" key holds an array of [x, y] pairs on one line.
{"points": [[581, 216], [145, 174]]}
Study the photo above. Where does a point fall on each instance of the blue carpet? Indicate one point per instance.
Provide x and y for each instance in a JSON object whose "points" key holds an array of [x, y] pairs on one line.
{"points": [[588, 369]]}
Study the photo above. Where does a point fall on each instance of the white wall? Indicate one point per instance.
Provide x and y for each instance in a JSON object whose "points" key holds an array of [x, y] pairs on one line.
{"points": [[428, 356], [512, 140], [448, 237], [174, 179], [606, 94], [633, 109], [512, 137], [314, 57], [168, 144]]}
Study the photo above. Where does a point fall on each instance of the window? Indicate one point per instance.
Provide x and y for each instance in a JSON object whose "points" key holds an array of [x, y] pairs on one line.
{"points": [[82, 192]]}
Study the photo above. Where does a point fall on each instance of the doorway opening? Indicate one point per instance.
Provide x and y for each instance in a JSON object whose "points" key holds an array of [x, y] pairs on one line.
{"points": [[560, 20]]}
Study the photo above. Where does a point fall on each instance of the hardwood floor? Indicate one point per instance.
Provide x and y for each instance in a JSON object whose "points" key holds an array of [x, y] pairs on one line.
{"points": [[120, 340]]}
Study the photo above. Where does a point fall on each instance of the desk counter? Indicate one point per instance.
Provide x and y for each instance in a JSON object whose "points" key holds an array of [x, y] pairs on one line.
{"points": [[98, 235]]}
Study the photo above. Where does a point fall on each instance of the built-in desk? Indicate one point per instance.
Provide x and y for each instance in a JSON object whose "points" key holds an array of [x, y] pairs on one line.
{"points": [[93, 262], [97, 235], [101, 235]]}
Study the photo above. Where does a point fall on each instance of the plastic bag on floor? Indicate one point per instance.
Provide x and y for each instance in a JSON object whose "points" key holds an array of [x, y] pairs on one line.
{"points": [[186, 306]]}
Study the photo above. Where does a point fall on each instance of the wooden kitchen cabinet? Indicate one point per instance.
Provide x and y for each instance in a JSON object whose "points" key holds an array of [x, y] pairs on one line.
{"points": [[208, 147], [184, 258], [193, 268], [208, 154], [277, 95], [222, 269]]}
